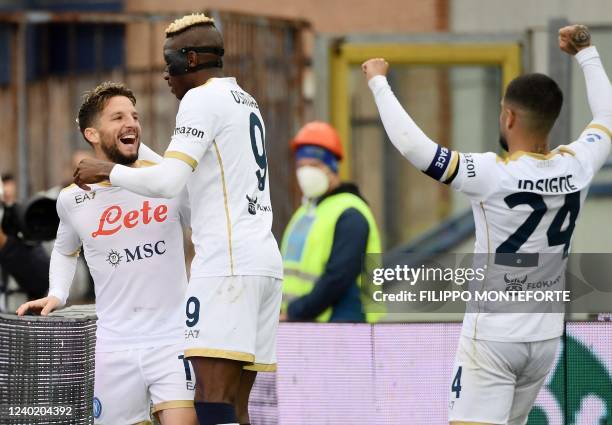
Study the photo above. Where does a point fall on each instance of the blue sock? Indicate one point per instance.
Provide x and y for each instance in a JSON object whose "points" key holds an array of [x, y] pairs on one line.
{"points": [[215, 413]]}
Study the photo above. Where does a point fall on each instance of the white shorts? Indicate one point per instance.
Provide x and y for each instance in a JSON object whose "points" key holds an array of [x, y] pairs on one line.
{"points": [[498, 382], [128, 382], [234, 317]]}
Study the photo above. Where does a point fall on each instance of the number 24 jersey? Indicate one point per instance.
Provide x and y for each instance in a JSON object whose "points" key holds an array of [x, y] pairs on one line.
{"points": [[527, 203]]}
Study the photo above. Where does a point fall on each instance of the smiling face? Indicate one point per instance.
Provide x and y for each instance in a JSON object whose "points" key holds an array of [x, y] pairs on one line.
{"points": [[116, 131]]}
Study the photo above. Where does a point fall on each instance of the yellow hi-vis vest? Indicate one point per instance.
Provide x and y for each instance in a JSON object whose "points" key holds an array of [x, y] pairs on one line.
{"points": [[307, 245]]}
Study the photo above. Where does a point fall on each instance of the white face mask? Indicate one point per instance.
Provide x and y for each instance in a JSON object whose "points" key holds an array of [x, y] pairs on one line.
{"points": [[312, 180]]}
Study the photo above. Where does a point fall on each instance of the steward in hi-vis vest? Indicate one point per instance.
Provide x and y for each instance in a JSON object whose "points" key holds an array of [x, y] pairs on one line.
{"points": [[327, 238]]}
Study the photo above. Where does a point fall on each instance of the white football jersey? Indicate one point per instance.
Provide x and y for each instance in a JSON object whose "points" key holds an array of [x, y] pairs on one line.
{"points": [[133, 246], [525, 204], [220, 134]]}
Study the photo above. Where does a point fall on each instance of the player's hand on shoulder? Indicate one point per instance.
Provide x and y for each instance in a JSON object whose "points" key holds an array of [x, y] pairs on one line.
{"points": [[574, 38], [44, 306], [92, 170], [373, 67]]}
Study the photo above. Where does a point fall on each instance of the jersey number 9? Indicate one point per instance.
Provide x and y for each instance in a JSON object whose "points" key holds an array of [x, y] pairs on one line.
{"points": [[260, 158], [192, 310]]}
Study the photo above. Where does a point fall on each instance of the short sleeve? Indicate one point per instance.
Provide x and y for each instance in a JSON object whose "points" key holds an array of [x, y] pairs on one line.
{"points": [[476, 174], [67, 241], [593, 146], [195, 128]]}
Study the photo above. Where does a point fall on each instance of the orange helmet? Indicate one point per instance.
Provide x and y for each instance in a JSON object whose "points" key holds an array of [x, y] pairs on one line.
{"points": [[319, 133]]}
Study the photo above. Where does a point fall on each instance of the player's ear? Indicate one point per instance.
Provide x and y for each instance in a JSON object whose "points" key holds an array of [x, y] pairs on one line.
{"points": [[510, 118], [192, 59], [92, 135]]}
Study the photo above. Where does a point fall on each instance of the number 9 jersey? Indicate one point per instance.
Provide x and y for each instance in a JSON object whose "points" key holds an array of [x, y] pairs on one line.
{"points": [[221, 135], [525, 204]]}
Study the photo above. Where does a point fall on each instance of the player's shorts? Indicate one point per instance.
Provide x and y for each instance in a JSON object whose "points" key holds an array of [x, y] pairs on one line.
{"points": [[234, 317], [128, 382], [498, 382]]}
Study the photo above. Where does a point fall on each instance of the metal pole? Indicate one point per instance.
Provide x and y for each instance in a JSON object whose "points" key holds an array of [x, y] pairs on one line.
{"points": [[19, 77], [560, 70]]}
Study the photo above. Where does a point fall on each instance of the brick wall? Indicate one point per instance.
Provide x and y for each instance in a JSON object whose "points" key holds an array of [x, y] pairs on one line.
{"points": [[336, 16]]}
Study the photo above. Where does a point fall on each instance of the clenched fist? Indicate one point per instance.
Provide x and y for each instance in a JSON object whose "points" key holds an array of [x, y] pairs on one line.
{"points": [[574, 38], [373, 67], [92, 170]]}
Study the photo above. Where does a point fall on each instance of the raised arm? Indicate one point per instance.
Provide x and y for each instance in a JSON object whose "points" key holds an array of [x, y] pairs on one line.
{"points": [[599, 89], [434, 160], [473, 174], [576, 41], [593, 145]]}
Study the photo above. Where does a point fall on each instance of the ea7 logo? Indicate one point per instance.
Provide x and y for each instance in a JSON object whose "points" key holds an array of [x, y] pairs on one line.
{"points": [[79, 198]]}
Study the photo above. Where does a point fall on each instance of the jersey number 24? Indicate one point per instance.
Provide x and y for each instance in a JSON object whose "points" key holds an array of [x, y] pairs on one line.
{"points": [[555, 234]]}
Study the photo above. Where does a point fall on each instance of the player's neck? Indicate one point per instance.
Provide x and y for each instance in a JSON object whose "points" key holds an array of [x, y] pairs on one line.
{"points": [[529, 144], [101, 155], [204, 76]]}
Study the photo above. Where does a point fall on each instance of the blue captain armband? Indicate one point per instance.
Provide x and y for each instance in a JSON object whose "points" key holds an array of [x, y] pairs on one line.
{"points": [[443, 159]]}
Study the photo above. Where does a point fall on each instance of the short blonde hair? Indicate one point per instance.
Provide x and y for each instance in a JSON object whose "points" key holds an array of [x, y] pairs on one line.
{"points": [[188, 21]]}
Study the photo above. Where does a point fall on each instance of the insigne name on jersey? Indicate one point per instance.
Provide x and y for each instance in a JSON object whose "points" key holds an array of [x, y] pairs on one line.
{"points": [[555, 184], [110, 220]]}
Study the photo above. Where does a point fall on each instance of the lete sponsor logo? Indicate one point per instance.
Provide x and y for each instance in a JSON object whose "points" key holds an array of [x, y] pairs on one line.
{"points": [[112, 219]]}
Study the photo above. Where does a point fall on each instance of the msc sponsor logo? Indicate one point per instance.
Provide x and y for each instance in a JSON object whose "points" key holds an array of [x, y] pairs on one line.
{"points": [[140, 252], [113, 220], [80, 198], [189, 131], [114, 258]]}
